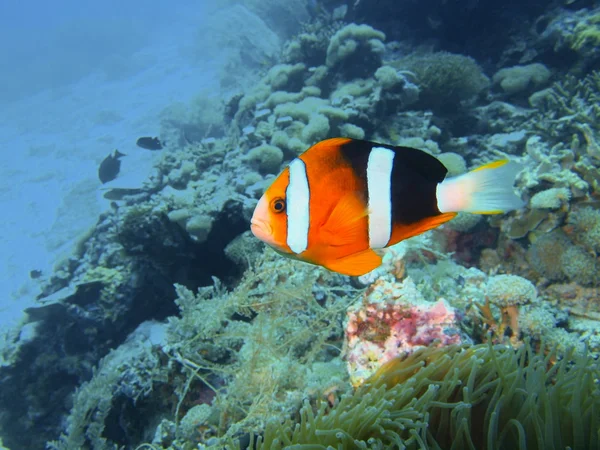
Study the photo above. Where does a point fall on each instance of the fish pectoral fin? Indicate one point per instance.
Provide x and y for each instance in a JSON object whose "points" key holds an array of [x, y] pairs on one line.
{"points": [[356, 264], [346, 223]]}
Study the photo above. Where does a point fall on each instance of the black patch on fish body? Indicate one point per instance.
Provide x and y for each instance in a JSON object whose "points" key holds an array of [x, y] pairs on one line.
{"points": [[415, 176], [149, 143], [356, 153], [110, 167]]}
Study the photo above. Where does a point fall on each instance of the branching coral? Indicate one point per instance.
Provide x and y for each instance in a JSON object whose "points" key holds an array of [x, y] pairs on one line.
{"points": [[456, 397], [572, 108], [586, 35]]}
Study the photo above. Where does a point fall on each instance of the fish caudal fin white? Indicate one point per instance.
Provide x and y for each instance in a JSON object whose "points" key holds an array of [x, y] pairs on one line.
{"points": [[485, 190]]}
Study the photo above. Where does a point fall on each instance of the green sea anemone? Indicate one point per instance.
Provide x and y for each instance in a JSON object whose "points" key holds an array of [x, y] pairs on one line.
{"points": [[478, 397]]}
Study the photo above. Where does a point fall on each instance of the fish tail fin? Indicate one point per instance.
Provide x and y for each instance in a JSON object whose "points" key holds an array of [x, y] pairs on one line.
{"points": [[485, 190]]}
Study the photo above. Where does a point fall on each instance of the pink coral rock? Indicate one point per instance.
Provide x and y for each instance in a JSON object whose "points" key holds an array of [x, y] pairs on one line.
{"points": [[379, 331]]}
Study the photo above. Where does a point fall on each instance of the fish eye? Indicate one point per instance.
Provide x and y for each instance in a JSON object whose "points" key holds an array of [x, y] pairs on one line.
{"points": [[278, 205]]}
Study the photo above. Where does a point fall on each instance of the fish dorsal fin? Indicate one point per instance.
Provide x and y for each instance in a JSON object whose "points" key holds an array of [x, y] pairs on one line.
{"points": [[347, 222], [356, 264]]}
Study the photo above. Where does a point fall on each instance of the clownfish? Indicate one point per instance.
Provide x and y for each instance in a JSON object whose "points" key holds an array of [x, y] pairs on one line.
{"points": [[343, 199]]}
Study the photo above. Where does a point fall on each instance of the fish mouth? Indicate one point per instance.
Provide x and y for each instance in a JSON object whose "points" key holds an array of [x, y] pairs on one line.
{"points": [[261, 229]]}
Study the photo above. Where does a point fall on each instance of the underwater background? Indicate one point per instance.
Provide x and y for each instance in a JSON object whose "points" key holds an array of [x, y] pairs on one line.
{"points": [[139, 312]]}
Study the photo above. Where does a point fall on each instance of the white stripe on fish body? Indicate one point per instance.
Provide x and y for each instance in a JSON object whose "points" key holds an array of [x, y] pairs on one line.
{"points": [[297, 207], [379, 188]]}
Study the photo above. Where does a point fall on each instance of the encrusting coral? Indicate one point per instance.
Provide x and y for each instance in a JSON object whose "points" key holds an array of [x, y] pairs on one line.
{"points": [[401, 322], [482, 396], [517, 79]]}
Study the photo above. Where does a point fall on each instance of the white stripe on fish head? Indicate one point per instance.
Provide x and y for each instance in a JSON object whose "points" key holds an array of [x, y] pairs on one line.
{"points": [[297, 207]]}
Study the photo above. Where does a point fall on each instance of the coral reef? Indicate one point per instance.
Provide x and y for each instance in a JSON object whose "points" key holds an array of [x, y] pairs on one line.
{"points": [[123, 381], [391, 321], [518, 79], [357, 49], [229, 363], [574, 32], [445, 79], [586, 228], [171, 328], [263, 340], [510, 290]]}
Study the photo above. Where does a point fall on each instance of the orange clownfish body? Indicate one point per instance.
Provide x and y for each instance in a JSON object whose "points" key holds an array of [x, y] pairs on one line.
{"points": [[343, 199]]}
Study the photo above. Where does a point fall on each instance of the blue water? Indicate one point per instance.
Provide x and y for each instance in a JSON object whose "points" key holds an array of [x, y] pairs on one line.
{"points": [[78, 80]]}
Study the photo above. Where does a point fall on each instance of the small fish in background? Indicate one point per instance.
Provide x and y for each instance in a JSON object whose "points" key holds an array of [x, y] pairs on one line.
{"points": [[35, 274], [149, 143], [343, 199], [110, 167]]}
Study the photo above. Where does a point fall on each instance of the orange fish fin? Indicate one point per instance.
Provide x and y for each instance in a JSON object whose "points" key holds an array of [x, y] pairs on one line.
{"points": [[356, 264], [401, 232], [435, 221], [346, 224]]}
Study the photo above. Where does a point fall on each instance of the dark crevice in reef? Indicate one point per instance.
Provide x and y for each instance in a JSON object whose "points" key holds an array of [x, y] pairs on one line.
{"points": [[128, 419], [228, 224], [77, 326], [473, 27]]}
